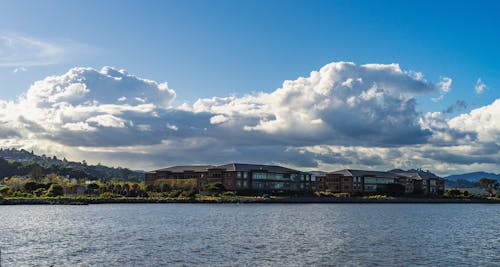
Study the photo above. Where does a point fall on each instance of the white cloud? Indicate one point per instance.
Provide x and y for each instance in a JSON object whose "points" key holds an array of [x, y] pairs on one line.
{"points": [[218, 119], [172, 127], [102, 103], [354, 104], [343, 115], [445, 84], [480, 86], [485, 121], [444, 87], [20, 69], [21, 51]]}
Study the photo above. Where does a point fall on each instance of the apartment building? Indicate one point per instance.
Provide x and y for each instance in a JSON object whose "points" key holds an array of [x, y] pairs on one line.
{"points": [[368, 182], [240, 177]]}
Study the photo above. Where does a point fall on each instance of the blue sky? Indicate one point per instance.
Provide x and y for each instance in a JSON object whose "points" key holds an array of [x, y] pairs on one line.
{"points": [[205, 49]]}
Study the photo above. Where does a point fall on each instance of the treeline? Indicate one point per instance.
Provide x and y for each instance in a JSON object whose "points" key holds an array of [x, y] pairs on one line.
{"points": [[22, 162], [57, 186], [13, 168]]}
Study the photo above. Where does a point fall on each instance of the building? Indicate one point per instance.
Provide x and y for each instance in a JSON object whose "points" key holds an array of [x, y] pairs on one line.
{"points": [[369, 182], [424, 183], [239, 177]]}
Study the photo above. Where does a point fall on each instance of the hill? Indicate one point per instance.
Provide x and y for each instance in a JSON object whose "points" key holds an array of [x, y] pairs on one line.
{"points": [[21, 162], [472, 176]]}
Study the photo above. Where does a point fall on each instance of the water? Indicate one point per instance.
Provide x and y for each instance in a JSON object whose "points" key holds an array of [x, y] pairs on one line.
{"points": [[251, 235]]}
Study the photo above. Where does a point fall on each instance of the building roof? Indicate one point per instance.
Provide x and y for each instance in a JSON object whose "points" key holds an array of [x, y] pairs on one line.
{"points": [[252, 167], [186, 168], [228, 167], [418, 175], [351, 172]]}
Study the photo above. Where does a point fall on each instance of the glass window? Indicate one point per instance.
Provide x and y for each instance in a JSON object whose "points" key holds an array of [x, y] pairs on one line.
{"points": [[238, 174], [370, 188], [259, 176], [245, 175]]}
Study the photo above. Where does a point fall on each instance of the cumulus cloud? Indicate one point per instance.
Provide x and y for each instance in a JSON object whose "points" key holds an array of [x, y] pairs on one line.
{"points": [[82, 107], [343, 115], [485, 121], [341, 103], [480, 86]]}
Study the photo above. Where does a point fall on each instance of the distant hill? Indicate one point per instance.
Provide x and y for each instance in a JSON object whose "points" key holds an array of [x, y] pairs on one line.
{"points": [[21, 162], [472, 176], [460, 183]]}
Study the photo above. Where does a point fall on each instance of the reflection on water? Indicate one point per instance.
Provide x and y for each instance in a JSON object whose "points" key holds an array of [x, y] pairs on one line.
{"points": [[253, 234]]}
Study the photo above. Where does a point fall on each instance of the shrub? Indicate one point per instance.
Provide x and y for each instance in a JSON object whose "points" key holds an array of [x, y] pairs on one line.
{"points": [[110, 195], [22, 194], [188, 193], [165, 188], [38, 192], [214, 188], [174, 193], [228, 194], [378, 197], [453, 193], [93, 186], [55, 190], [4, 191], [150, 188], [32, 186]]}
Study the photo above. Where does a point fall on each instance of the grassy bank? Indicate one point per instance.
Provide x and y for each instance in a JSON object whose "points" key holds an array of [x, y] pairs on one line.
{"points": [[236, 199]]}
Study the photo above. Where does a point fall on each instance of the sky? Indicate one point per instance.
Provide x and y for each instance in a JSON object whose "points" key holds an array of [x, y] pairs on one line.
{"points": [[314, 85]]}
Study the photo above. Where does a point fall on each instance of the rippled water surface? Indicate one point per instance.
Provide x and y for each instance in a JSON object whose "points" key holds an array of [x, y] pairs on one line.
{"points": [[253, 234]]}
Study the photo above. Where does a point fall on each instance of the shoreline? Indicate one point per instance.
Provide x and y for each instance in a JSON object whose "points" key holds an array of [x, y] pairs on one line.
{"points": [[283, 200]]}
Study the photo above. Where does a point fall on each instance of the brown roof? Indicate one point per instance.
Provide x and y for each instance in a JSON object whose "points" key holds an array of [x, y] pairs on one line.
{"points": [[418, 175], [229, 167], [187, 168], [254, 167], [350, 172]]}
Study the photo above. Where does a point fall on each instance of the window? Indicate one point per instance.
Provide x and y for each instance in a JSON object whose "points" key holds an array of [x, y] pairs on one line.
{"points": [[238, 174], [238, 183], [258, 185], [346, 179], [370, 188], [245, 175], [228, 183], [259, 176]]}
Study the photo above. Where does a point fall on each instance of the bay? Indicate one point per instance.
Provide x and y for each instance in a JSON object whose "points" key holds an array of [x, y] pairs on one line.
{"points": [[251, 235]]}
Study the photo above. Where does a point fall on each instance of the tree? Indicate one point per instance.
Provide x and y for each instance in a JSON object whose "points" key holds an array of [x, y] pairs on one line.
{"points": [[55, 190], [214, 188], [36, 173], [489, 184]]}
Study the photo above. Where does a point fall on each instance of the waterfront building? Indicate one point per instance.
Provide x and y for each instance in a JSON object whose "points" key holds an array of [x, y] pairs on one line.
{"points": [[424, 182], [239, 177], [369, 182]]}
